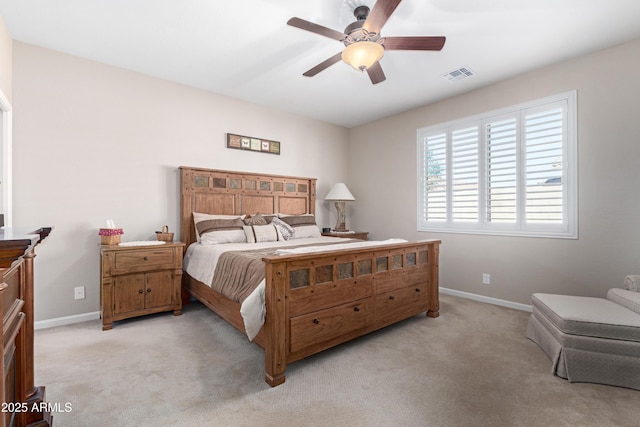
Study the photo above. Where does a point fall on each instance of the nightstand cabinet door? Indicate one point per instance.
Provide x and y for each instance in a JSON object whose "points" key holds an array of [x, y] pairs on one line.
{"points": [[158, 291], [128, 293]]}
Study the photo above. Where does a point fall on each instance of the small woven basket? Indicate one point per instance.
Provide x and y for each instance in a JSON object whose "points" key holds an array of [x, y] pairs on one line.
{"points": [[110, 240], [110, 236], [164, 235]]}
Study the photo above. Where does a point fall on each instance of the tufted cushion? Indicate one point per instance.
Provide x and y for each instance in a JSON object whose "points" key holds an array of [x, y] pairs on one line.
{"points": [[625, 298], [586, 316]]}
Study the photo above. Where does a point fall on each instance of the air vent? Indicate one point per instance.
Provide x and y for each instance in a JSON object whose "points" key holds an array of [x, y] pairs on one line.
{"points": [[458, 74]]}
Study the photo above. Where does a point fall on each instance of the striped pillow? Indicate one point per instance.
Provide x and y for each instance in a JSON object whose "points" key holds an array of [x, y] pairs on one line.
{"points": [[213, 230], [199, 217], [261, 233], [304, 225]]}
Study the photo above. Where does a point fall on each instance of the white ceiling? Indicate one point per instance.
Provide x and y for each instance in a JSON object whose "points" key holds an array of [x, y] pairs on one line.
{"points": [[244, 49]]}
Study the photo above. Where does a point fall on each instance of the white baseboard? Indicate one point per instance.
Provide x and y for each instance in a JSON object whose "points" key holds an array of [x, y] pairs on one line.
{"points": [[66, 320], [490, 300], [78, 318]]}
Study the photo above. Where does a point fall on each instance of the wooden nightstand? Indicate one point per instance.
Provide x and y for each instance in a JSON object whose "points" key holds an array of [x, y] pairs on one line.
{"points": [[362, 235], [139, 280]]}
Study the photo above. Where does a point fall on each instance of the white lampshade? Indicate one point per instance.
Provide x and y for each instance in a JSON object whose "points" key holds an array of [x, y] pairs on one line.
{"points": [[339, 191], [362, 55]]}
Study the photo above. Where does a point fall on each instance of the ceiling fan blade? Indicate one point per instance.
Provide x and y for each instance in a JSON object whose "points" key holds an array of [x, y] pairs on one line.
{"points": [[323, 65], [414, 43], [378, 16], [315, 28], [376, 74]]}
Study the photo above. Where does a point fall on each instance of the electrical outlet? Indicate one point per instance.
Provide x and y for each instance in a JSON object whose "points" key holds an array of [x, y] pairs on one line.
{"points": [[78, 293], [486, 279]]}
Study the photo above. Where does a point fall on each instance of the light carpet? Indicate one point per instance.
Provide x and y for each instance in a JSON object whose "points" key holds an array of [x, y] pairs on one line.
{"points": [[472, 366]]}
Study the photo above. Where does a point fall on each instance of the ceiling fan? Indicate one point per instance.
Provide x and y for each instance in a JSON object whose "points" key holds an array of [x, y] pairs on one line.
{"points": [[364, 47]]}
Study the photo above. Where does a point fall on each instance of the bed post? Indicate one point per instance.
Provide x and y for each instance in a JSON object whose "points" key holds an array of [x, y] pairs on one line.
{"points": [[433, 308], [186, 205], [275, 358]]}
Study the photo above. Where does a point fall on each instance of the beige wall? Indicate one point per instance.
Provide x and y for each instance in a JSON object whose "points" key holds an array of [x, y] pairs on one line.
{"points": [[94, 142], [609, 178], [5, 60]]}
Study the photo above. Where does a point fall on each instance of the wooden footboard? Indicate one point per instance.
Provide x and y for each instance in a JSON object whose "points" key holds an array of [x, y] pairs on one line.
{"points": [[316, 301]]}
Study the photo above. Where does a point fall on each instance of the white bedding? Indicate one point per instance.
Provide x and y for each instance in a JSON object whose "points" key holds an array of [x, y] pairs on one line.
{"points": [[200, 263]]}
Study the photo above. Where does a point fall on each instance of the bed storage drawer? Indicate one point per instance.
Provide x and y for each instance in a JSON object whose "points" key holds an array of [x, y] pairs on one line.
{"points": [[320, 297], [401, 303], [324, 325]]}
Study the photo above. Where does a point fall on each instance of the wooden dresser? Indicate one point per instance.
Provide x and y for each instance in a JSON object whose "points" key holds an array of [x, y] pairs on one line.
{"points": [[23, 404], [140, 280]]}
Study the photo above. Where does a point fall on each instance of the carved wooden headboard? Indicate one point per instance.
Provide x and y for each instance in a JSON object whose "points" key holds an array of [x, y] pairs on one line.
{"points": [[222, 192]]}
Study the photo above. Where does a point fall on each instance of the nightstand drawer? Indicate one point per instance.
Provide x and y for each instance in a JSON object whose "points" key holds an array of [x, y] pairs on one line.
{"points": [[142, 260]]}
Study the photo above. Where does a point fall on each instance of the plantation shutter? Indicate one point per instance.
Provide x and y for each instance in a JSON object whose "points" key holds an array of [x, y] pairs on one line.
{"points": [[501, 139], [465, 174], [544, 136], [508, 172], [435, 172]]}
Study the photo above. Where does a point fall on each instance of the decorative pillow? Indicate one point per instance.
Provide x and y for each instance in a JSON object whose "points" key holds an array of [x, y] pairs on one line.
{"points": [[286, 231], [256, 219], [269, 217], [199, 217], [632, 283], [261, 233], [214, 231], [304, 225]]}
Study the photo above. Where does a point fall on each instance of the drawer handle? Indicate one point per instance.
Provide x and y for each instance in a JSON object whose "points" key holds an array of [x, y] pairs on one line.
{"points": [[392, 297], [316, 321], [140, 291], [356, 308], [146, 258], [417, 289], [148, 290]]}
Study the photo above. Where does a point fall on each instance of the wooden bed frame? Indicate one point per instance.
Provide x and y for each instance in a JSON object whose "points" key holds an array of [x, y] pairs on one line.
{"points": [[313, 301]]}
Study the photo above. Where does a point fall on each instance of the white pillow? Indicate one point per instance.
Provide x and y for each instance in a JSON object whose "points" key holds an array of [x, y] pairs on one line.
{"points": [[199, 217], [261, 233], [213, 231], [304, 225]]}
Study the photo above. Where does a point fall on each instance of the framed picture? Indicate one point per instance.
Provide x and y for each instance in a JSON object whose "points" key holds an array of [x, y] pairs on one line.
{"points": [[249, 143]]}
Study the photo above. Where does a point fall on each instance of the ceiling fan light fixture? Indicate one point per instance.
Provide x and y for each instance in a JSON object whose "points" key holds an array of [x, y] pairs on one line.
{"points": [[363, 54]]}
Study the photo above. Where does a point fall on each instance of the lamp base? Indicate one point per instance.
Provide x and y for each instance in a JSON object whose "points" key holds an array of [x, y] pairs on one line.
{"points": [[341, 224]]}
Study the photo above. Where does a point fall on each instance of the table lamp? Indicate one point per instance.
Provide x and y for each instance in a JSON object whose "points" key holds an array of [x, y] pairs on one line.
{"points": [[340, 194]]}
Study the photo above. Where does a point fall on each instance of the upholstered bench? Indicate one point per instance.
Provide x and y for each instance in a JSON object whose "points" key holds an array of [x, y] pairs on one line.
{"points": [[588, 339]]}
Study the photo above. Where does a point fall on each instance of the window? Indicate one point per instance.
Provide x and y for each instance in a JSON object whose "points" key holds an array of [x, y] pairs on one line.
{"points": [[511, 172]]}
